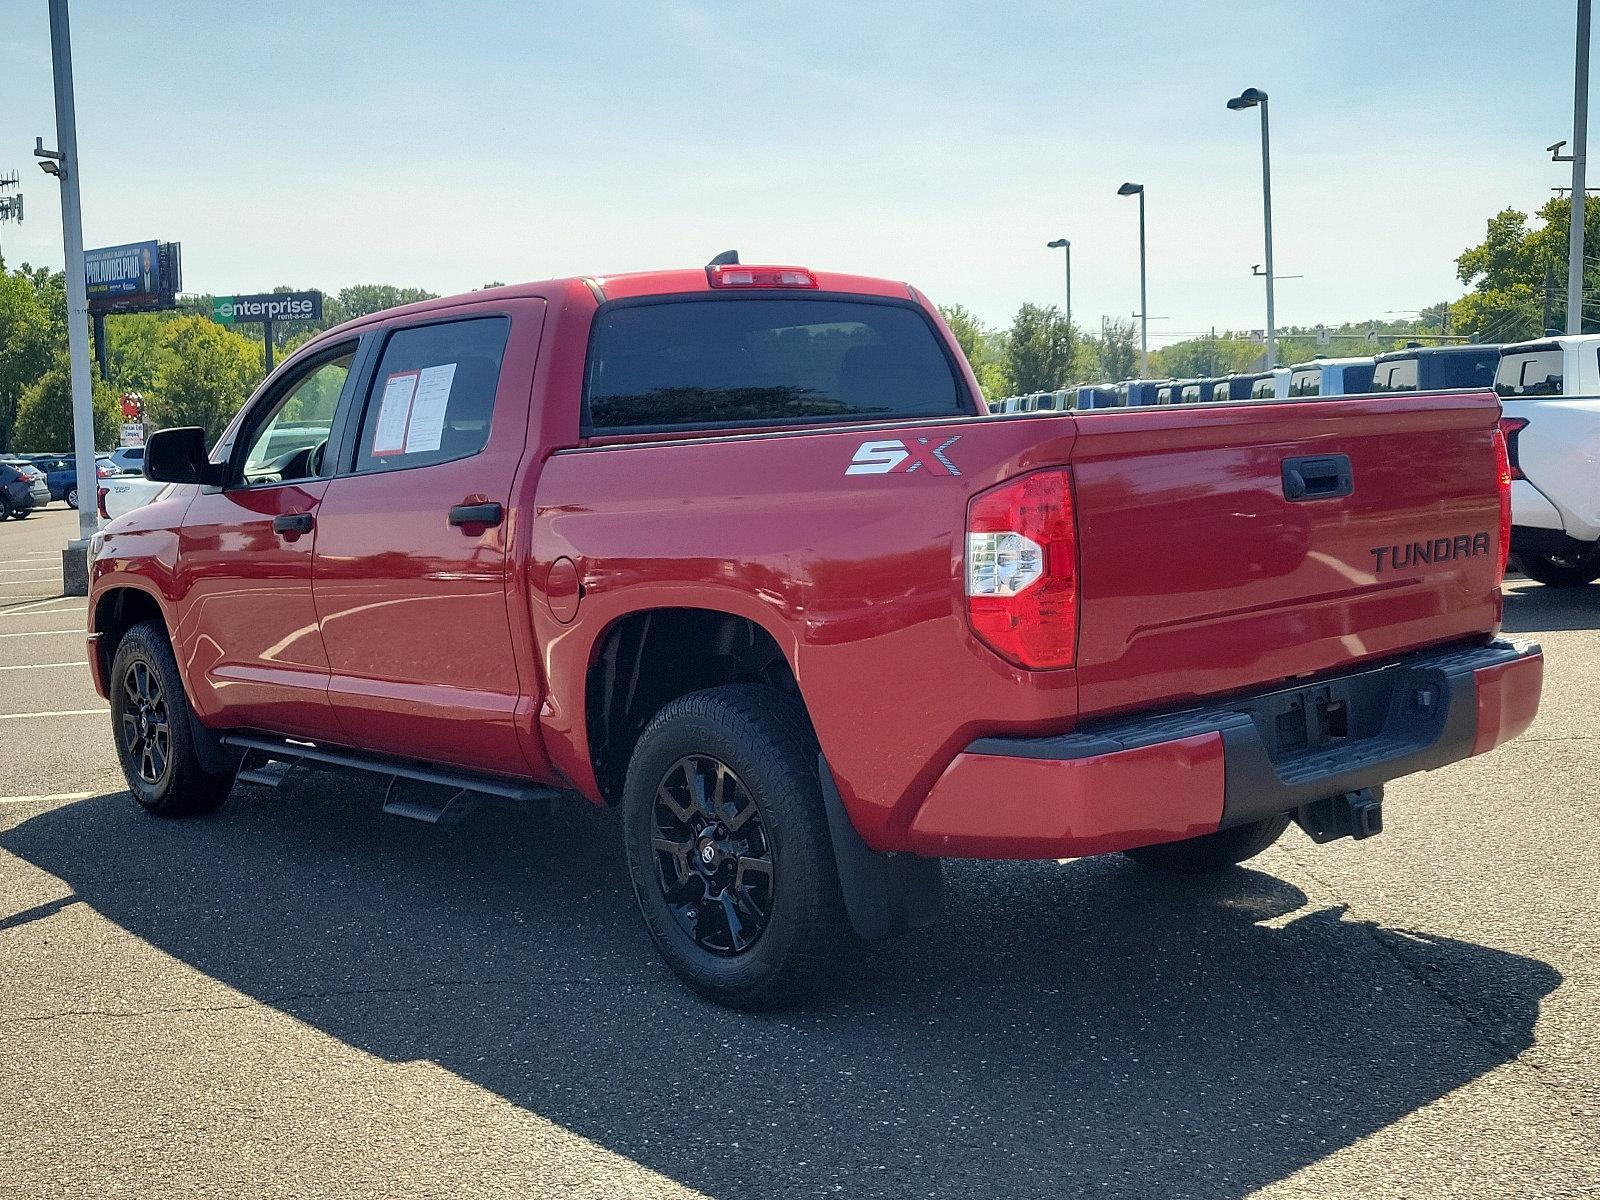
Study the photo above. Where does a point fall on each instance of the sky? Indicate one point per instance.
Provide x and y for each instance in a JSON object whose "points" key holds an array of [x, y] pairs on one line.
{"points": [[446, 146]]}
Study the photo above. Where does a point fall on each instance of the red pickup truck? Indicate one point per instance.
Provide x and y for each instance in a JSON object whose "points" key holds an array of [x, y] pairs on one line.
{"points": [[738, 550]]}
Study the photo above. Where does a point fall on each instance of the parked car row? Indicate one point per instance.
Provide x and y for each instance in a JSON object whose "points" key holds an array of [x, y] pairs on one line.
{"points": [[1416, 368], [60, 475]]}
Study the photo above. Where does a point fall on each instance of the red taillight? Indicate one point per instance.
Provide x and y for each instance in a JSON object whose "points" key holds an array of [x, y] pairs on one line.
{"points": [[1502, 474], [1509, 428], [100, 503], [1022, 570], [761, 277]]}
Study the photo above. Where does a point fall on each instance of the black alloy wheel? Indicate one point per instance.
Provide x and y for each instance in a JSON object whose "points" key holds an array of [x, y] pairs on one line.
{"points": [[712, 854], [145, 725]]}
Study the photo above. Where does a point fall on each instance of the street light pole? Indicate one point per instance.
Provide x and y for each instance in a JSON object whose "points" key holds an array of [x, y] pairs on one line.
{"points": [[1580, 140], [1137, 189], [63, 164], [1065, 244], [1253, 98]]}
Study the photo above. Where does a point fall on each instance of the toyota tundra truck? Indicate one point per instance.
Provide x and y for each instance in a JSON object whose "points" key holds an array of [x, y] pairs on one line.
{"points": [[737, 551]]}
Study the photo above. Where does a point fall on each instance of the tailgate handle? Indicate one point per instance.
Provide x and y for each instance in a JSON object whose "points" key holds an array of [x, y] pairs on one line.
{"points": [[1321, 477]]}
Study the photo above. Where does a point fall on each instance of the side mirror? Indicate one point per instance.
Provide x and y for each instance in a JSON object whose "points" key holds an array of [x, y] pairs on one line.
{"points": [[179, 456]]}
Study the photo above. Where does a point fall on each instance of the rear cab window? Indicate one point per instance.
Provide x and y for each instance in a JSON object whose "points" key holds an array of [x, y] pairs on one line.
{"points": [[722, 363], [1533, 372], [1397, 376], [1306, 383]]}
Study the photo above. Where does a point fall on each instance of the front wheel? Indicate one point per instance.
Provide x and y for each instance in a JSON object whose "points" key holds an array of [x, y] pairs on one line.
{"points": [[72, 496], [1212, 851], [728, 847], [150, 718], [1561, 569]]}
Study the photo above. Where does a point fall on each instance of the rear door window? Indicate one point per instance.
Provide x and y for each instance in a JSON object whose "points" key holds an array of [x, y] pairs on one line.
{"points": [[1530, 373], [1397, 376], [1306, 383], [432, 396], [765, 361]]}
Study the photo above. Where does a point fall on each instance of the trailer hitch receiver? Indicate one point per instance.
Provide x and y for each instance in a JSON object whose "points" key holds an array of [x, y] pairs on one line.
{"points": [[1349, 814]]}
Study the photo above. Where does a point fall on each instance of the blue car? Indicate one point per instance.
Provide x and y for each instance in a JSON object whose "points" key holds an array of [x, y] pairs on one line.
{"points": [[61, 475]]}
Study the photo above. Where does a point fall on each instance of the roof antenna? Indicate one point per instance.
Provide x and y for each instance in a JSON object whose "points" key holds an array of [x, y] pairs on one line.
{"points": [[728, 258]]}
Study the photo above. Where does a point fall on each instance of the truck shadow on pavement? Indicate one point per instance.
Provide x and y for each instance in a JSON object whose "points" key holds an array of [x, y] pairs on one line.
{"points": [[1081, 1029], [1534, 608]]}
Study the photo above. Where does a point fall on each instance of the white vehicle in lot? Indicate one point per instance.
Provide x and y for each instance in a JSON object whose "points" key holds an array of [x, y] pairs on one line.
{"points": [[1550, 413], [124, 493]]}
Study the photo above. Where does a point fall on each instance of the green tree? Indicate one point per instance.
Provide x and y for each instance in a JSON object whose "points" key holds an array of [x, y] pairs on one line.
{"points": [[33, 328], [983, 347], [207, 373], [361, 299], [1509, 270], [44, 419], [1039, 351], [1118, 349]]}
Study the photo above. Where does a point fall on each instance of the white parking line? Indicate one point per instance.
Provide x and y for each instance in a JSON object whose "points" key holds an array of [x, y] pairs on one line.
{"points": [[40, 666], [66, 712], [21, 570], [43, 633], [31, 608], [58, 796], [30, 605]]}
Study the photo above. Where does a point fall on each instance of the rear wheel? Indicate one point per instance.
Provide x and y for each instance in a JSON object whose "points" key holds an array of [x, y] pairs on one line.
{"points": [[5, 506], [72, 496], [1572, 568], [150, 718], [728, 847], [21, 514], [1212, 851]]}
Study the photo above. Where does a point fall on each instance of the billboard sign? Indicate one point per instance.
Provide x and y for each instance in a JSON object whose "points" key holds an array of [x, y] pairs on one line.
{"points": [[128, 274], [137, 277], [269, 306]]}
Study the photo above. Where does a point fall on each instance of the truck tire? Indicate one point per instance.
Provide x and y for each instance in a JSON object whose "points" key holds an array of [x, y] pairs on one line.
{"points": [[1212, 851], [1559, 570], [150, 721], [728, 847]]}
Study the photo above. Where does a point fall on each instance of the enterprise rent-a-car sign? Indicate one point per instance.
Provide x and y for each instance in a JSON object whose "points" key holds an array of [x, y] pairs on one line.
{"points": [[271, 306]]}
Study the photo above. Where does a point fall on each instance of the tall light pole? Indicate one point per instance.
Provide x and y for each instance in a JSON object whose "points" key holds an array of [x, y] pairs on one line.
{"points": [[1065, 244], [1256, 98], [63, 164], [1137, 189], [1580, 143]]}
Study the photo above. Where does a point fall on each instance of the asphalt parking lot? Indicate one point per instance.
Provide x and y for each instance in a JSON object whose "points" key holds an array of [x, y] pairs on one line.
{"points": [[301, 997]]}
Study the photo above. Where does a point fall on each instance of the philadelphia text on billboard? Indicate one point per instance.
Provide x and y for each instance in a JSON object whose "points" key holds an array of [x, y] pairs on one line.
{"points": [[270, 306], [131, 272]]}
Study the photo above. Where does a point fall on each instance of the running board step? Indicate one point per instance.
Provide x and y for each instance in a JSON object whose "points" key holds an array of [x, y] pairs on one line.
{"points": [[461, 791]]}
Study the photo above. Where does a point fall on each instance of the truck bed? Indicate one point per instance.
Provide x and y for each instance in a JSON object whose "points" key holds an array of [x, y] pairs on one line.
{"points": [[1198, 576]]}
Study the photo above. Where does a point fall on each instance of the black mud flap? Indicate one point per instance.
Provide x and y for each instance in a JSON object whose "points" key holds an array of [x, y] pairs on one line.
{"points": [[884, 894]]}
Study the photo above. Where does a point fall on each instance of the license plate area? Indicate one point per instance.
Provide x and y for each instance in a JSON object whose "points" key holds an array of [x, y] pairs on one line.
{"points": [[1308, 721]]}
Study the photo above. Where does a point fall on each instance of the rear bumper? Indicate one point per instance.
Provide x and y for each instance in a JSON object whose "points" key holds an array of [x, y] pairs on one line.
{"points": [[1138, 781]]}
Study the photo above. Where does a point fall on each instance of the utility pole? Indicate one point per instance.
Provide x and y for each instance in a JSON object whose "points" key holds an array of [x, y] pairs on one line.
{"points": [[1137, 189], [1549, 291], [1256, 98], [1580, 141], [63, 164]]}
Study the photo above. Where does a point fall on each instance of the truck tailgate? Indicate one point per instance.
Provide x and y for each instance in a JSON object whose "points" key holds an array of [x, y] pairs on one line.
{"points": [[1201, 576]]}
